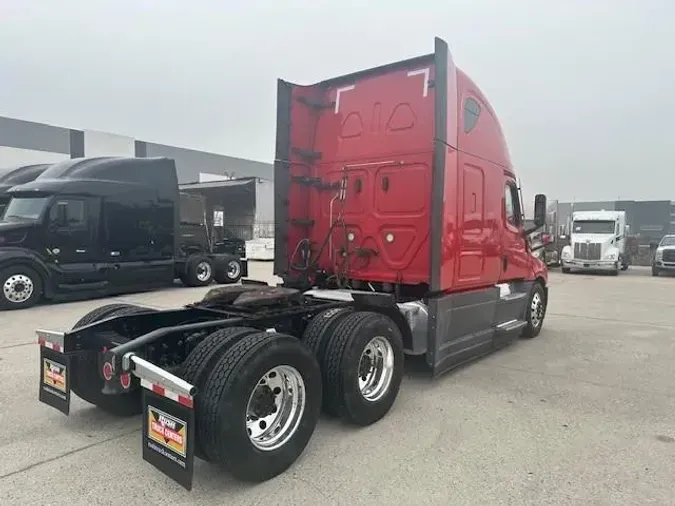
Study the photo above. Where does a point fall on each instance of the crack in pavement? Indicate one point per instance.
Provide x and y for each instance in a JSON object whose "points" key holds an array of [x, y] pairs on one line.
{"points": [[67, 454], [8, 346]]}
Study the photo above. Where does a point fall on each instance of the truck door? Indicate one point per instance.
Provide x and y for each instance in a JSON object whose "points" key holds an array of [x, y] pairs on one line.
{"points": [[139, 241], [73, 244], [515, 256]]}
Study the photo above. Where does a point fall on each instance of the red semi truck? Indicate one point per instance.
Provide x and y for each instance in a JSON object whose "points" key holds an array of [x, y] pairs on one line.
{"points": [[399, 231]]}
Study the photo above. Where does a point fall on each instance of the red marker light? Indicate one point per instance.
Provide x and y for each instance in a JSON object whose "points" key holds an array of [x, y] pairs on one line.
{"points": [[125, 380], [107, 371]]}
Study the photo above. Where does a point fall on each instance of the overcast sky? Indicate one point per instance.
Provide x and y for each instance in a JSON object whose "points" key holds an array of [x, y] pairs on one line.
{"points": [[585, 90]]}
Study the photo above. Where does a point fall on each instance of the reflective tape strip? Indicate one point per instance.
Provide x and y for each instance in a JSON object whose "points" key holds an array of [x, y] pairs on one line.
{"points": [[164, 392], [43, 342]]}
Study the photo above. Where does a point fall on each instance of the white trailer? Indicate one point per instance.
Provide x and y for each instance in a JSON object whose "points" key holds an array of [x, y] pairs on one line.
{"points": [[597, 242]]}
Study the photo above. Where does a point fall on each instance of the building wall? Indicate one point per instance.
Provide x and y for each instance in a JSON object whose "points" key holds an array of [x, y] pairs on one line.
{"points": [[190, 162], [105, 144], [12, 157], [31, 136], [25, 142]]}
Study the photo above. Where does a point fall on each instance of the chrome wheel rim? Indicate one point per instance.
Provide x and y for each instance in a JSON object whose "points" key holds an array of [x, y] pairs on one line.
{"points": [[233, 269], [376, 369], [536, 310], [275, 408], [18, 288], [203, 271]]}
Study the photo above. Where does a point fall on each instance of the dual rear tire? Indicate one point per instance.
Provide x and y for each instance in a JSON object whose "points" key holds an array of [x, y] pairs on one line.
{"points": [[201, 270], [259, 402], [361, 358], [261, 393]]}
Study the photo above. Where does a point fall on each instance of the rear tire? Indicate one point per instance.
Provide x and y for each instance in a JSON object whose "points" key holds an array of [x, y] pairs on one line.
{"points": [[100, 313], [230, 273], [565, 270], [655, 272], [362, 367], [198, 271], [199, 363], [226, 412], [20, 287], [87, 382]]}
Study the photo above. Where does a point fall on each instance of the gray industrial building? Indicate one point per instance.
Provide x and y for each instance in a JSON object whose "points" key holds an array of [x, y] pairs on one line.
{"points": [[25, 142], [648, 219]]}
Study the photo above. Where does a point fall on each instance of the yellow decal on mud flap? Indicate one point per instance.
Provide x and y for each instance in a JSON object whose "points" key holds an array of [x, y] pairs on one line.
{"points": [[167, 430], [54, 374]]}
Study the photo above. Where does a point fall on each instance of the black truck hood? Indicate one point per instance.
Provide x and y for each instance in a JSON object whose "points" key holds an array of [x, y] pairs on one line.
{"points": [[13, 233], [11, 226]]}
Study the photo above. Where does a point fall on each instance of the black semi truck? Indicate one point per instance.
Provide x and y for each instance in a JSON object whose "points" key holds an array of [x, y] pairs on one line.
{"points": [[91, 227]]}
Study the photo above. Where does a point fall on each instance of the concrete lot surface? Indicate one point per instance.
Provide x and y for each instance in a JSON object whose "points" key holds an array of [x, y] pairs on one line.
{"points": [[583, 414]]}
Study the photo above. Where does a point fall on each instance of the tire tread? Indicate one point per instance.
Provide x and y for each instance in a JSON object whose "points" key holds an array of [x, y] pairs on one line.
{"points": [[333, 358]]}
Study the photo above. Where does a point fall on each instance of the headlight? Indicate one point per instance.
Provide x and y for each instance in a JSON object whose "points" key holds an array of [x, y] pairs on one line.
{"points": [[566, 255], [659, 254], [611, 256]]}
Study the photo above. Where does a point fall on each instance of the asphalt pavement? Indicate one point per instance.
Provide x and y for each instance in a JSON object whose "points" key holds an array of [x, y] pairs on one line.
{"points": [[583, 414]]}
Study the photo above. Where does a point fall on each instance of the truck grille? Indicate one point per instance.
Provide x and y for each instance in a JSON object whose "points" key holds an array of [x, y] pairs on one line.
{"points": [[587, 250], [669, 255]]}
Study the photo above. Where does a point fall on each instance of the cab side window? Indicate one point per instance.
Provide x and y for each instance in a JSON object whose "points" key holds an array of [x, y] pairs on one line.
{"points": [[68, 214], [512, 205], [471, 113]]}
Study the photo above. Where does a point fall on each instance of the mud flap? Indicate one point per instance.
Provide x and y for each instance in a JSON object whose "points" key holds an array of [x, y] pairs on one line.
{"points": [[55, 373], [168, 437]]}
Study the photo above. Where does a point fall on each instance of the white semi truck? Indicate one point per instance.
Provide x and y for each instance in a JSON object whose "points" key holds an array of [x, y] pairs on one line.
{"points": [[597, 242]]}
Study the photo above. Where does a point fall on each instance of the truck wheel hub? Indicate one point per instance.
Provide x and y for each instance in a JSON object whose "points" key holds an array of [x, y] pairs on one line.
{"points": [[18, 288], [203, 271], [275, 408], [376, 369], [233, 269], [536, 310]]}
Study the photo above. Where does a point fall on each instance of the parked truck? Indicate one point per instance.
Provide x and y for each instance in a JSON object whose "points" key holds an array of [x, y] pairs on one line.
{"points": [[664, 256], [99, 226], [12, 176], [399, 230], [597, 242]]}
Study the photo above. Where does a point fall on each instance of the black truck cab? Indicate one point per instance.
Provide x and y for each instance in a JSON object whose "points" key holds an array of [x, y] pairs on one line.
{"points": [[98, 226]]}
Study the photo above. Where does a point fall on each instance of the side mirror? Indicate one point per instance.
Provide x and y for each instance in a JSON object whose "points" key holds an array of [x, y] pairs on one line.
{"points": [[540, 210]]}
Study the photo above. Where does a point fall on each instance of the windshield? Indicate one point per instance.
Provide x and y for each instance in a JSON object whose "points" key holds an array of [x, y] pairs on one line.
{"points": [[593, 227], [20, 208], [668, 241]]}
